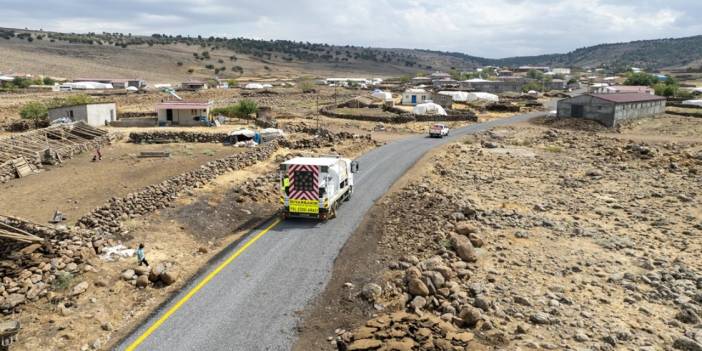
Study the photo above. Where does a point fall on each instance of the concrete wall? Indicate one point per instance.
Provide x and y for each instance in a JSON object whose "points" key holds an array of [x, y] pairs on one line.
{"points": [[609, 113], [421, 97], [184, 117], [96, 115], [624, 112]]}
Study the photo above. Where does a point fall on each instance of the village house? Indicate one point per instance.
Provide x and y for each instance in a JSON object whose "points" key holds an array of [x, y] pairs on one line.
{"points": [[439, 75], [415, 96], [117, 83], [193, 85], [420, 80], [628, 89], [611, 109], [183, 113], [95, 115]]}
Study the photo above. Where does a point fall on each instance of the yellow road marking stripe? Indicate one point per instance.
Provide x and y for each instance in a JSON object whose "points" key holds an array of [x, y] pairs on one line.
{"points": [[197, 288]]}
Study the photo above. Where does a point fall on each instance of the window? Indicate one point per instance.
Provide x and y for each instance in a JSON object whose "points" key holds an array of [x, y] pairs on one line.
{"points": [[70, 113]]}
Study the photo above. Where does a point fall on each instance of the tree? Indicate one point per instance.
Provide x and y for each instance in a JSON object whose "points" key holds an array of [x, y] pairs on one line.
{"points": [[246, 107], [79, 99], [641, 78], [22, 82], [535, 74], [307, 86], [35, 111], [49, 81], [667, 90], [405, 79]]}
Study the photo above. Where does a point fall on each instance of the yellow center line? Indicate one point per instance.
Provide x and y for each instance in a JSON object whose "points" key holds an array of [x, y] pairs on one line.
{"points": [[197, 288]]}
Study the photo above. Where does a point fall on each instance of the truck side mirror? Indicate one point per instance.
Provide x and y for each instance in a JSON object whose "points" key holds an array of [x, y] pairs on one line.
{"points": [[354, 166]]}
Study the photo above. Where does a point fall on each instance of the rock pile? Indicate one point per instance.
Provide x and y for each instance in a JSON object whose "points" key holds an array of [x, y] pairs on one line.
{"points": [[108, 218], [29, 272], [548, 239], [402, 331], [164, 274]]}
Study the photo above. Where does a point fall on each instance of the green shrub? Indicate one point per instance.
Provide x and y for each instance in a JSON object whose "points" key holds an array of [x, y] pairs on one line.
{"points": [[63, 281], [306, 86], [34, 111], [242, 109]]}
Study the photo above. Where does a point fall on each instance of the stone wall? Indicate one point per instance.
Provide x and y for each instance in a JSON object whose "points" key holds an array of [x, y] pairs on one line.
{"points": [[108, 217], [402, 117], [135, 122], [30, 271], [176, 137]]}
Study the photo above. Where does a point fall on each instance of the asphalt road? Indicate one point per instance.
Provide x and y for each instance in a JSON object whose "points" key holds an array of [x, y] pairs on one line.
{"points": [[254, 303]]}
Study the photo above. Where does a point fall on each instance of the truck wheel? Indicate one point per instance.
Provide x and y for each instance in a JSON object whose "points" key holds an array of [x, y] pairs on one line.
{"points": [[348, 195]]}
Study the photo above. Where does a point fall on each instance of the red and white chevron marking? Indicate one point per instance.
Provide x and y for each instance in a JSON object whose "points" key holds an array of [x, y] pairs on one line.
{"points": [[304, 182]]}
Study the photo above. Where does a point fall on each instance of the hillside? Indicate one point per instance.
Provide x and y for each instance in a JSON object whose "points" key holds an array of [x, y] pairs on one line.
{"points": [[163, 58], [651, 54]]}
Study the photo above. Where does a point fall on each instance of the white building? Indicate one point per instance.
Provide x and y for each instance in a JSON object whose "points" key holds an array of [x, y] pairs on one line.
{"points": [[182, 113], [415, 96], [563, 71], [96, 115]]}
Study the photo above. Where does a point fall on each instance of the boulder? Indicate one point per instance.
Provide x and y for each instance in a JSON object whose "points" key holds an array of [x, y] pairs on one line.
{"points": [[476, 240], [128, 274], [169, 277], [156, 272], [80, 288], [416, 287], [470, 316], [464, 249], [142, 281], [371, 291], [466, 228]]}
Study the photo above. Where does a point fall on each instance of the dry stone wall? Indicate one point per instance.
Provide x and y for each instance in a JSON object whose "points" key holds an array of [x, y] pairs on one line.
{"points": [[156, 137]]}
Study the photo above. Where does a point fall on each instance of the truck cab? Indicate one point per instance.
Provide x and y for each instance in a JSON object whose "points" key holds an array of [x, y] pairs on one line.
{"points": [[314, 187]]}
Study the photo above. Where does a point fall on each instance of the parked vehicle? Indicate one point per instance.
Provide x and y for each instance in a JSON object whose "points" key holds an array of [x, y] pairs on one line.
{"points": [[438, 131], [314, 187]]}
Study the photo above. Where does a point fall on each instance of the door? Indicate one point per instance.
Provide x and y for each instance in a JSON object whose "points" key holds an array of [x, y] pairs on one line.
{"points": [[414, 99], [169, 115], [577, 111]]}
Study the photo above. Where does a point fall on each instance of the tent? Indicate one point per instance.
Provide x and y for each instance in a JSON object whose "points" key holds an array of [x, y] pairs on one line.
{"points": [[267, 86], [382, 95], [88, 85], [253, 86], [132, 89], [476, 80], [428, 108], [458, 96], [482, 96], [693, 102]]}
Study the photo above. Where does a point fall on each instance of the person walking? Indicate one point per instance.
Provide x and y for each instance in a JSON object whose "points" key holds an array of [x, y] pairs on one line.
{"points": [[140, 255]]}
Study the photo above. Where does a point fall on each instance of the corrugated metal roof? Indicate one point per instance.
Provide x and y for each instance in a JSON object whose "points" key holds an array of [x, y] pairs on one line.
{"points": [[627, 97], [183, 105]]}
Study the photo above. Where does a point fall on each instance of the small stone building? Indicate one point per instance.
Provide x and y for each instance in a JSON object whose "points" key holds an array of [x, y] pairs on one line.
{"points": [[95, 115], [415, 96], [611, 109], [183, 113]]}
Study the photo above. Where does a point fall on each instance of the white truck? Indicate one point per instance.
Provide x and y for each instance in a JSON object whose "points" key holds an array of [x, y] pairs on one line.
{"points": [[314, 187], [438, 131]]}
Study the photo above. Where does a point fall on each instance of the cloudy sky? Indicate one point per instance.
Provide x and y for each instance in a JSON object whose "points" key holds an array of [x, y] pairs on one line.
{"points": [[489, 28]]}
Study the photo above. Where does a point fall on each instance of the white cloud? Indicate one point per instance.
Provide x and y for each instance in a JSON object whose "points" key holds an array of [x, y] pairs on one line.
{"points": [[493, 28]]}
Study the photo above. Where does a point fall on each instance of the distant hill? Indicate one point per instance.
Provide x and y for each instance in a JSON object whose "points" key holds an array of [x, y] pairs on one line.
{"points": [[652, 54], [170, 58]]}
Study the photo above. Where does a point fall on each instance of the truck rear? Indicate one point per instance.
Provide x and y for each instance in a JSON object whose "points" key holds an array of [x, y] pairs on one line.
{"points": [[313, 187]]}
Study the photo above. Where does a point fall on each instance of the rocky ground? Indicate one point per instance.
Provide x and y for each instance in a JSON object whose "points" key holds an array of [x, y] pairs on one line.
{"points": [[82, 289], [528, 237]]}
